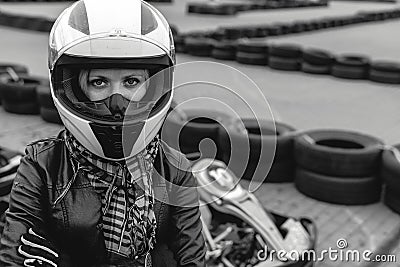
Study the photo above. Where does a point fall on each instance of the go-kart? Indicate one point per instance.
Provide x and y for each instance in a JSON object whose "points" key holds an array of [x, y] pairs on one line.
{"points": [[9, 162], [239, 231]]}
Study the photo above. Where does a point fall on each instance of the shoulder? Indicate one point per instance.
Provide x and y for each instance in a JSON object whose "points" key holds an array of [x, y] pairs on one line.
{"points": [[45, 147], [179, 168], [175, 158]]}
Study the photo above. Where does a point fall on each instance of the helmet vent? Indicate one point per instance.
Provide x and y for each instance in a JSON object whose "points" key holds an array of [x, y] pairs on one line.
{"points": [[78, 18], [149, 23]]}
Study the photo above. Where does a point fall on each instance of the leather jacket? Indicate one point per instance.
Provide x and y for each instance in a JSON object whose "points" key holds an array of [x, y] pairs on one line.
{"points": [[73, 224]]}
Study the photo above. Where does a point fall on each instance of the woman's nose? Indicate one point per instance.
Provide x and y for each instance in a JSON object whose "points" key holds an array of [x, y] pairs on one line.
{"points": [[116, 88]]}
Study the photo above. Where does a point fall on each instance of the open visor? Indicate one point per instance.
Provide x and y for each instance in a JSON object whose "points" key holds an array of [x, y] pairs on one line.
{"points": [[70, 78]]}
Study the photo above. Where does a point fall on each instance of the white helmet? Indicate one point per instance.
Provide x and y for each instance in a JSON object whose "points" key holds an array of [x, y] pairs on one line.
{"points": [[117, 34]]}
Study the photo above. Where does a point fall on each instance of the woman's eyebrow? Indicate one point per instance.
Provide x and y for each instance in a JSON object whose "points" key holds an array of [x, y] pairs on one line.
{"points": [[132, 75], [97, 77]]}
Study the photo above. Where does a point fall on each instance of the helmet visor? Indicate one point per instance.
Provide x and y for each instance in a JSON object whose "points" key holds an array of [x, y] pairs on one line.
{"points": [[113, 93]]}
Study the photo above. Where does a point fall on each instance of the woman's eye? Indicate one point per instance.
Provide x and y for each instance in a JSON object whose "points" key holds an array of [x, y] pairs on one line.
{"points": [[98, 83], [132, 81]]}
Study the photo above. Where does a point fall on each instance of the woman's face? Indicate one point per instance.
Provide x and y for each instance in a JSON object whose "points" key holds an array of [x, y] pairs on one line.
{"points": [[99, 84]]}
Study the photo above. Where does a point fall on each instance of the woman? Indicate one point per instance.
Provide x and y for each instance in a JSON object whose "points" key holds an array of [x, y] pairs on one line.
{"points": [[106, 191]]}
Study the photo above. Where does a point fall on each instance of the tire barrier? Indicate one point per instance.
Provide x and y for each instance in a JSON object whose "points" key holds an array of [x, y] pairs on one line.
{"points": [[48, 110], [351, 67], [291, 57], [285, 57], [392, 200], [340, 167], [390, 171], [201, 47], [338, 153], [184, 130], [385, 72], [390, 174], [8, 71], [338, 190], [225, 50], [317, 61], [232, 8], [207, 41], [252, 52], [261, 137], [19, 96], [214, 8], [39, 24]]}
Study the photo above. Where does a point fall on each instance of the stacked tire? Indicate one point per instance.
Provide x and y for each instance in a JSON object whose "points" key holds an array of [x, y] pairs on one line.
{"points": [[213, 8], [285, 57], [224, 49], [317, 61], [390, 174], [48, 110], [351, 67], [340, 167], [249, 152], [199, 46], [253, 52], [8, 70], [185, 131], [385, 72], [19, 96]]}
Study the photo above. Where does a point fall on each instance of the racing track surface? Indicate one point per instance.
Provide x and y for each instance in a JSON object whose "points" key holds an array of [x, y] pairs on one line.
{"points": [[302, 100]]}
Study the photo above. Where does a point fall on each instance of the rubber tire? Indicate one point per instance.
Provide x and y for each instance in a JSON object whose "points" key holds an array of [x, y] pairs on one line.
{"points": [[201, 47], [223, 54], [192, 133], [392, 200], [390, 170], [4, 76], [253, 46], [281, 172], [285, 50], [351, 67], [280, 63], [336, 190], [317, 57], [252, 58], [384, 77], [237, 32], [385, 72], [297, 28], [232, 33], [349, 72], [10, 91], [21, 108], [225, 50], [274, 30], [338, 161], [180, 44], [44, 97], [282, 161], [50, 115], [214, 9], [315, 69], [284, 139]]}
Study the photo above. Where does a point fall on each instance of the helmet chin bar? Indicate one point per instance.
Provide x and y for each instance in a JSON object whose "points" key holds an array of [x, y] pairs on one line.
{"points": [[110, 139]]}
